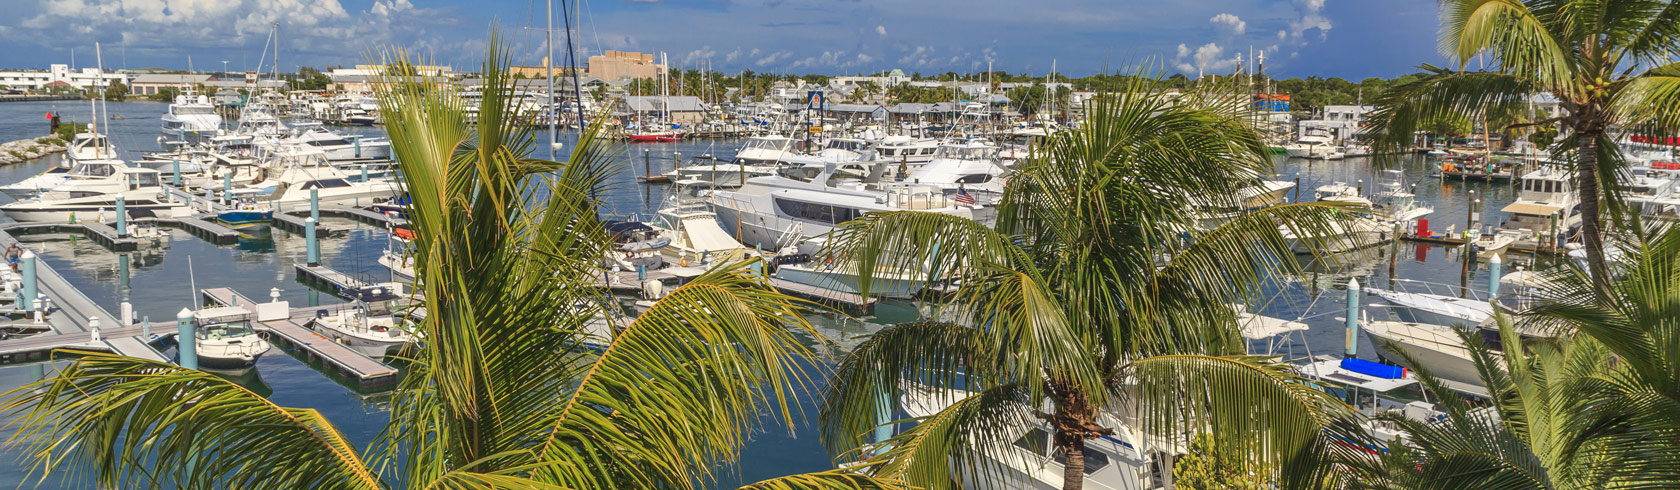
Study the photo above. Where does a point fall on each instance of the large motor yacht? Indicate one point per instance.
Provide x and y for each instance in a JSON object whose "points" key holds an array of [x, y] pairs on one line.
{"points": [[191, 120], [142, 196]]}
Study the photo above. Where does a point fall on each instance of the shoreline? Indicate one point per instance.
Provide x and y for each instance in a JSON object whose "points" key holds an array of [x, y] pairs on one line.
{"points": [[24, 150]]}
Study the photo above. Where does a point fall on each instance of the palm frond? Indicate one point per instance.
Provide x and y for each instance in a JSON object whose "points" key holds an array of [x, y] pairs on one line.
{"points": [[677, 392], [827, 480], [111, 421], [865, 387], [1251, 405], [1407, 108], [968, 440], [1519, 40]]}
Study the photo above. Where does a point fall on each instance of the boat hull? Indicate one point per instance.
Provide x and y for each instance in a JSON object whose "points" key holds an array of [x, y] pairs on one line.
{"points": [[245, 219], [845, 281], [77, 214]]}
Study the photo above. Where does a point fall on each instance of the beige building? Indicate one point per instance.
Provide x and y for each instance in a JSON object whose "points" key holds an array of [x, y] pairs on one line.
{"points": [[621, 65], [538, 71], [149, 84]]}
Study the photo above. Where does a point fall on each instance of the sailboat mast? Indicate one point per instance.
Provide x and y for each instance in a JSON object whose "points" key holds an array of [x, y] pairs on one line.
{"points": [[571, 59], [98, 87], [553, 118]]}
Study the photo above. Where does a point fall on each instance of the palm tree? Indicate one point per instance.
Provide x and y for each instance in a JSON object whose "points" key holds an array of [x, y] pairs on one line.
{"points": [[1595, 406], [505, 391], [1096, 290], [1609, 63]]}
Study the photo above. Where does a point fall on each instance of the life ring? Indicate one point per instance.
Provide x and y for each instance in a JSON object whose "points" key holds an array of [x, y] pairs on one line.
{"points": [[682, 262], [629, 255]]}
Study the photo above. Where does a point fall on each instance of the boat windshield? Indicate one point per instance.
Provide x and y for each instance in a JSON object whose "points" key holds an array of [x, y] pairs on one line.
{"points": [[765, 144], [852, 145], [194, 110], [94, 170], [225, 330], [964, 152]]}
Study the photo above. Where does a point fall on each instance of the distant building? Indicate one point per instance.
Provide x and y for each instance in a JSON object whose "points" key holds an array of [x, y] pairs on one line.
{"points": [[149, 84], [1340, 121], [361, 84], [615, 65], [539, 71], [226, 86], [371, 70], [682, 107], [81, 79]]}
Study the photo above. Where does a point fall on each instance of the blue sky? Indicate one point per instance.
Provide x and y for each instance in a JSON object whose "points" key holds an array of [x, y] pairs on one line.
{"points": [[1347, 38]]}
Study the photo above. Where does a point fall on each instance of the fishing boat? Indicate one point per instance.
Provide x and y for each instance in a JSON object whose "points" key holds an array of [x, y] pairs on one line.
{"points": [[777, 212], [248, 213], [191, 120], [143, 197], [224, 339], [1314, 146], [86, 173], [375, 336]]}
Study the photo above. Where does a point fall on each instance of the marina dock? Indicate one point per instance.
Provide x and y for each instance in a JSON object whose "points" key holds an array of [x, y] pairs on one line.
{"points": [[70, 322], [366, 371], [98, 232], [341, 284]]}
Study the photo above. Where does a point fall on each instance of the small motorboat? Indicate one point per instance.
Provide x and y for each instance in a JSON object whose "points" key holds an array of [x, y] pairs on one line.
{"points": [[375, 336], [225, 340]]}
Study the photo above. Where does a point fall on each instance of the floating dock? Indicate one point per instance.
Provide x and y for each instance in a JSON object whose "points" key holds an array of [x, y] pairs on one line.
{"points": [[98, 232], [348, 362], [341, 284], [70, 322]]}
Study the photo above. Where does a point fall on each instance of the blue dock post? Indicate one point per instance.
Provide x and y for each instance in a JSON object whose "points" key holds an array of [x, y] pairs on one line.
{"points": [[314, 248], [883, 420], [1495, 269], [29, 290], [184, 338], [364, 173], [146, 328], [177, 164], [227, 187], [1352, 319], [122, 217], [641, 272], [358, 140], [315, 204]]}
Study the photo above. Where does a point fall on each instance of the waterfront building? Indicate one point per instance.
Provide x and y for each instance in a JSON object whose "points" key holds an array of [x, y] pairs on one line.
{"points": [[1342, 122], [615, 65], [80, 79], [149, 84]]}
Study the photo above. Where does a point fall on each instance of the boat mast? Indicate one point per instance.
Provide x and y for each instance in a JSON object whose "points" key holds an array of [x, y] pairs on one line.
{"points": [[571, 61], [553, 119], [98, 87]]}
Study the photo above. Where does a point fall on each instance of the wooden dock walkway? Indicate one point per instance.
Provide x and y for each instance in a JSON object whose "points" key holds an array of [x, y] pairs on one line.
{"points": [[345, 360], [204, 229], [98, 232], [340, 283]]}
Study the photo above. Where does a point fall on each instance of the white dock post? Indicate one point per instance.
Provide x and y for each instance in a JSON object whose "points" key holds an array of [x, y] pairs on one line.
{"points": [[93, 328], [184, 339], [313, 250], [1495, 268], [122, 217], [127, 312], [29, 286], [1352, 350]]}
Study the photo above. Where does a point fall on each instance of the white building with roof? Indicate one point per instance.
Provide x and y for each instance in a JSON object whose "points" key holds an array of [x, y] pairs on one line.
{"points": [[81, 79]]}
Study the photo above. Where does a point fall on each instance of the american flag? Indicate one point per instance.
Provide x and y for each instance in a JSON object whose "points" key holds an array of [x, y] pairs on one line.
{"points": [[963, 197]]}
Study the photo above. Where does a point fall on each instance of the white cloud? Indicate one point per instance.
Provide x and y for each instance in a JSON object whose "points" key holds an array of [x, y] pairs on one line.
{"points": [[1312, 17], [773, 58], [733, 55], [1230, 22], [1183, 51], [1283, 35], [1206, 59], [704, 53], [882, 30], [864, 58]]}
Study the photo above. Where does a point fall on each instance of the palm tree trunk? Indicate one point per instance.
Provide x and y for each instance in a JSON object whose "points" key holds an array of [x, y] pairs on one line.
{"points": [[1587, 178], [1073, 471]]}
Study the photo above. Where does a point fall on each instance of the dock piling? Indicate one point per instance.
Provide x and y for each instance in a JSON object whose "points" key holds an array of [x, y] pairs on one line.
{"points": [[126, 309], [1352, 350], [93, 329], [184, 339], [146, 328], [176, 163], [1496, 267], [29, 286], [122, 217], [314, 205], [314, 247], [227, 188]]}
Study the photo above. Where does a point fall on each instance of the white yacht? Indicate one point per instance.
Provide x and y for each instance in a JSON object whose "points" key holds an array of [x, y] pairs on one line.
{"points": [[303, 169], [224, 339], [1547, 207], [191, 120], [83, 173], [1395, 202], [757, 157], [972, 165], [339, 147], [1314, 146], [90, 146], [375, 336], [141, 192], [1361, 230], [905, 149], [776, 212]]}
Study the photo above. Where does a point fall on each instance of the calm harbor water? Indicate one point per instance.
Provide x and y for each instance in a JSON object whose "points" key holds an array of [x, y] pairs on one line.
{"points": [[159, 282]]}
